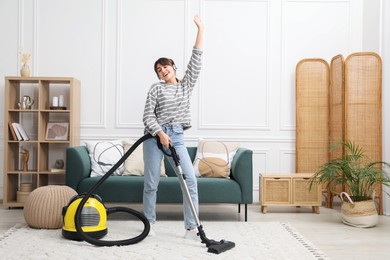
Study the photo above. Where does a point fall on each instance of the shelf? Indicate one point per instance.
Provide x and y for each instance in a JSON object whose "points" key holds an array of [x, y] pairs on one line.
{"points": [[23, 141], [23, 110], [37, 172], [54, 111], [14, 204], [22, 172]]}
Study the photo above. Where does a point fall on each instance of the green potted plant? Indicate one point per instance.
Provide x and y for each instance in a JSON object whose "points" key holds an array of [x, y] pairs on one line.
{"points": [[359, 177]]}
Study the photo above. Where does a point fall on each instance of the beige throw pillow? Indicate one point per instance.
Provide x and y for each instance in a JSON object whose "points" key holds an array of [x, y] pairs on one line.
{"points": [[134, 164], [214, 158]]}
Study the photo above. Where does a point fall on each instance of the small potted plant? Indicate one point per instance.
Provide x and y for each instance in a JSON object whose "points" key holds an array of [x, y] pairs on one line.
{"points": [[359, 177]]}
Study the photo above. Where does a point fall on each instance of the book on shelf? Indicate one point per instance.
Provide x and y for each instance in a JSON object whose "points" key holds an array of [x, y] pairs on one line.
{"points": [[20, 132], [17, 133], [12, 130], [57, 170]]}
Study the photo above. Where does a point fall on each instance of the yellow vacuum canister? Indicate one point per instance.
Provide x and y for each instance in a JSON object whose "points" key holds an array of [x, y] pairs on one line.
{"points": [[93, 218]]}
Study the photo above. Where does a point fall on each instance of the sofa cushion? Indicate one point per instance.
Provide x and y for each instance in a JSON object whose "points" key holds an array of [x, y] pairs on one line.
{"points": [[134, 164], [214, 158], [104, 155], [169, 170]]}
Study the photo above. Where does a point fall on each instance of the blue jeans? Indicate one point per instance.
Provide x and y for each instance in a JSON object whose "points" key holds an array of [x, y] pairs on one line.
{"points": [[152, 171]]}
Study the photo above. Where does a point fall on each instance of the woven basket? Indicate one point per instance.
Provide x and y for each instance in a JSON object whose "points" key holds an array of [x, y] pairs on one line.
{"points": [[360, 213]]}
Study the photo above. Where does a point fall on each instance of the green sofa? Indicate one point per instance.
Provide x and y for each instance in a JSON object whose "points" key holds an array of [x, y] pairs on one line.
{"points": [[238, 189]]}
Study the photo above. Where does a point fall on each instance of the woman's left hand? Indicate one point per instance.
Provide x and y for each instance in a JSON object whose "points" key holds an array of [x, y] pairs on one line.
{"points": [[198, 22]]}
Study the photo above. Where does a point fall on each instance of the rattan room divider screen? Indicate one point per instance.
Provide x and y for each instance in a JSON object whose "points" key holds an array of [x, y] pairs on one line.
{"points": [[337, 117], [312, 115], [339, 102]]}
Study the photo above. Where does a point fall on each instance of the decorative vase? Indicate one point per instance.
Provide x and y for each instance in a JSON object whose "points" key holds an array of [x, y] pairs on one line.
{"points": [[358, 213], [25, 71]]}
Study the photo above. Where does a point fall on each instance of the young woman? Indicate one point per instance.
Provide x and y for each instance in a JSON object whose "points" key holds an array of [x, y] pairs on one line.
{"points": [[167, 115]]}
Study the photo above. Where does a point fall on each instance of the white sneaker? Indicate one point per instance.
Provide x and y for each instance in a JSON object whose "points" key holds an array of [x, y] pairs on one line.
{"points": [[152, 232], [192, 234]]}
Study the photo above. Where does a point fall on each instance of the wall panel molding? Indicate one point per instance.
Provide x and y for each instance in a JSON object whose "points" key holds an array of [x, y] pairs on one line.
{"points": [[36, 42], [118, 87], [318, 50], [286, 155], [102, 123], [204, 91], [120, 123]]}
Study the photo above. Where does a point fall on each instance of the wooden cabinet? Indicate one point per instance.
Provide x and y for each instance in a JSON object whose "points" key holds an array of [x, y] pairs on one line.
{"points": [[36, 158], [289, 189]]}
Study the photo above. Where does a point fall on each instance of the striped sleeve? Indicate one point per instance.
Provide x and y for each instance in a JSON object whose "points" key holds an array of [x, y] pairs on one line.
{"points": [[150, 117], [193, 68]]}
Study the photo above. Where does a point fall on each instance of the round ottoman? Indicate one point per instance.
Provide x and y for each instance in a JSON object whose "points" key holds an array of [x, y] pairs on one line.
{"points": [[43, 207]]}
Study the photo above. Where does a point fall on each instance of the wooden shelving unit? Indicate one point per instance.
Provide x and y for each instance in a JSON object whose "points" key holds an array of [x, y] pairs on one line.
{"points": [[43, 153]]}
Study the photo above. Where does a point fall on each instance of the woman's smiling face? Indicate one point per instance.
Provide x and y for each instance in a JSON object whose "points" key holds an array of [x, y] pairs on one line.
{"points": [[166, 73]]}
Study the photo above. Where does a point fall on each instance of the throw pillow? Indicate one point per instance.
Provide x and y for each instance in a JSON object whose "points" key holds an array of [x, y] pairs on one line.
{"points": [[104, 155], [134, 164], [214, 158]]}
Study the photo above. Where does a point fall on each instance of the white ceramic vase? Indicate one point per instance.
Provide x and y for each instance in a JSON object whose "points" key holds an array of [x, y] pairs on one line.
{"points": [[25, 71]]}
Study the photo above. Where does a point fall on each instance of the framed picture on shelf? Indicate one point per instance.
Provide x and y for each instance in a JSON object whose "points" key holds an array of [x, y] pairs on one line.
{"points": [[57, 131]]}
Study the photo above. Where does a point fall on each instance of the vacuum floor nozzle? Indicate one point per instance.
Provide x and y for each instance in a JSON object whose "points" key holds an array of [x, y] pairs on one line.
{"points": [[213, 246], [221, 246]]}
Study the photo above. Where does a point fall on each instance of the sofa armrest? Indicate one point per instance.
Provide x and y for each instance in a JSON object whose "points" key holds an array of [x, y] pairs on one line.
{"points": [[78, 166], [242, 172]]}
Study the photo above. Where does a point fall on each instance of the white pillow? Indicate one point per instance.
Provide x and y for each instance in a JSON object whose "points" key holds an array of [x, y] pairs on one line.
{"points": [[134, 164], [104, 155], [212, 150]]}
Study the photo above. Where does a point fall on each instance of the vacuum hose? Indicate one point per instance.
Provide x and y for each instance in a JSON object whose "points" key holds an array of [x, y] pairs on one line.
{"points": [[140, 216]]}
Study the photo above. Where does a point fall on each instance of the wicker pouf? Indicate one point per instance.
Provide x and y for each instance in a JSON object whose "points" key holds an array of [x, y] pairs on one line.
{"points": [[43, 207]]}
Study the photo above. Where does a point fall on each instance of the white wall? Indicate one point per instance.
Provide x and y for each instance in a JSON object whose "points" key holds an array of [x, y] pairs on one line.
{"points": [[246, 92]]}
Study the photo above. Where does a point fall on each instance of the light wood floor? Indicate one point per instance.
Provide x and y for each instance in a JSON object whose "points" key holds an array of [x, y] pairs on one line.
{"points": [[324, 230]]}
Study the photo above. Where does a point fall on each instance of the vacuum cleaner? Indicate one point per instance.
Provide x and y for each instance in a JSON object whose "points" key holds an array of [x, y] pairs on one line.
{"points": [[85, 216]]}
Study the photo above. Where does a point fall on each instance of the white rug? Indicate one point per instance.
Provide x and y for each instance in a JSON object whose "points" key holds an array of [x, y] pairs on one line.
{"points": [[254, 240]]}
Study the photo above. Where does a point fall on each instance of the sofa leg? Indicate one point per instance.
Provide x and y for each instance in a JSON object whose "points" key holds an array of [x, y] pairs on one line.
{"points": [[246, 212]]}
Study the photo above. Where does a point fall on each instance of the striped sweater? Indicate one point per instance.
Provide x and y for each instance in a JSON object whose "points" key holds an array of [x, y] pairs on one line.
{"points": [[170, 103]]}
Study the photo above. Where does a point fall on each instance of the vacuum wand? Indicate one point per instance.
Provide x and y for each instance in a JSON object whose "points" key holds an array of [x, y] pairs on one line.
{"points": [[213, 246]]}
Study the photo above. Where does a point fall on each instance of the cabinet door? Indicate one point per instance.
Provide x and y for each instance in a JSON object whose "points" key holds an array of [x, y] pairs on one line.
{"points": [[302, 195], [276, 190]]}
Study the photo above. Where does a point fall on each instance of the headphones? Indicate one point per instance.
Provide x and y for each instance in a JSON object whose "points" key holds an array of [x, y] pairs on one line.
{"points": [[165, 61], [173, 65]]}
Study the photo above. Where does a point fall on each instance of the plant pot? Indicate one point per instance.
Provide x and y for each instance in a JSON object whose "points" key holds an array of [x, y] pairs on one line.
{"points": [[358, 213]]}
